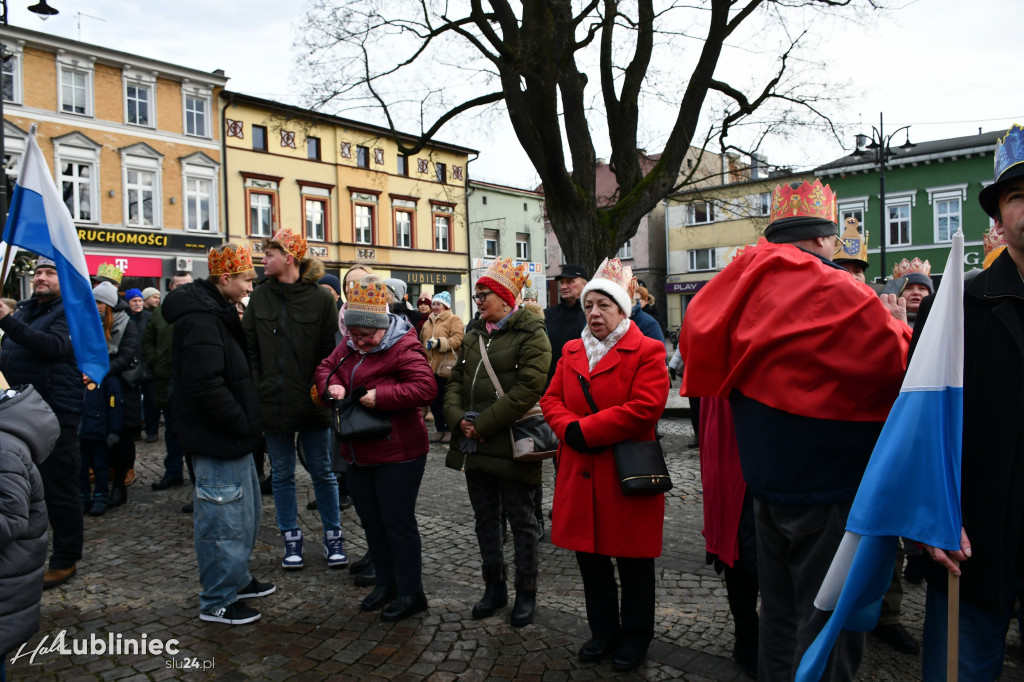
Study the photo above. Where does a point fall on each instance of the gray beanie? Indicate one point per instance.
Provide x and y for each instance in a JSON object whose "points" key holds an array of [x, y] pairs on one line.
{"points": [[105, 292], [397, 286], [794, 229]]}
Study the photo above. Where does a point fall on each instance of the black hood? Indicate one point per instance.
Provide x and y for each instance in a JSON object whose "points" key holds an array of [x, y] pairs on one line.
{"points": [[196, 297]]}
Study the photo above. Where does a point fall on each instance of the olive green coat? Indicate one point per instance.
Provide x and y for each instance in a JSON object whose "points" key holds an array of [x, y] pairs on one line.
{"points": [[520, 354]]}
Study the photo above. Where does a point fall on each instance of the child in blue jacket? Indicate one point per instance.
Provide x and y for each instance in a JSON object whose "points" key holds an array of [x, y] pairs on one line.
{"points": [[98, 432]]}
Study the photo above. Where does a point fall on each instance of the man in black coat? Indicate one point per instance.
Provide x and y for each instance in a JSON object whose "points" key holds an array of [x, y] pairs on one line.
{"points": [[37, 350], [992, 461], [215, 395], [565, 320]]}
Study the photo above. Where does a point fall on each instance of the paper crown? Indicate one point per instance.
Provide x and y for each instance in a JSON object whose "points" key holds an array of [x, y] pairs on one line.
{"points": [[1007, 165], [368, 298], [616, 280], [110, 273], [506, 278], [808, 200], [292, 243], [854, 246], [994, 242], [229, 261], [911, 267]]}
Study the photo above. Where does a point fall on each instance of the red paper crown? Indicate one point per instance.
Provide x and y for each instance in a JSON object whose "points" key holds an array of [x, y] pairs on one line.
{"points": [[908, 267], [809, 200], [368, 298], [612, 269], [229, 261], [508, 274], [292, 243]]}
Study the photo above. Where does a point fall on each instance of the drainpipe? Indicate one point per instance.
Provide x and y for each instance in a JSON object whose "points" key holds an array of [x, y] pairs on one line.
{"points": [[469, 249], [224, 160]]}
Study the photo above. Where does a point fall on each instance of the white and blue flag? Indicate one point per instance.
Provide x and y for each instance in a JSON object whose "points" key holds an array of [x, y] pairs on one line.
{"points": [[39, 221], [911, 486]]}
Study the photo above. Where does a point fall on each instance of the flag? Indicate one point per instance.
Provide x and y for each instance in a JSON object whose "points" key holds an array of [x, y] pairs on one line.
{"points": [[39, 221], [911, 486]]}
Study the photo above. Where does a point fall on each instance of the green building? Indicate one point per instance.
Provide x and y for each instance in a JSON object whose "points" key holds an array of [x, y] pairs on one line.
{"points": [[931, 189]]}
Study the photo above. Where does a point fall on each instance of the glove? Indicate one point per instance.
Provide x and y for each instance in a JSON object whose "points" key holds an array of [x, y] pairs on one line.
{"points": [[672, 373], [574, 439], [112, 440], [431, 342]]}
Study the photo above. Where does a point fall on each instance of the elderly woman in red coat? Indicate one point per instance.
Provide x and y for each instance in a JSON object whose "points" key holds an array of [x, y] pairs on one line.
{"points": [[629, 383]]}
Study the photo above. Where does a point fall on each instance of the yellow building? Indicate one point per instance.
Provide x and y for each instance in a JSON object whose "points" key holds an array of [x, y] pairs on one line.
{"points": [[133, 144], [706, 225], [346, 187]]}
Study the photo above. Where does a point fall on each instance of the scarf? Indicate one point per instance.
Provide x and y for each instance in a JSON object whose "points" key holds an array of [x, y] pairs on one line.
{"points": [[596, 348]]}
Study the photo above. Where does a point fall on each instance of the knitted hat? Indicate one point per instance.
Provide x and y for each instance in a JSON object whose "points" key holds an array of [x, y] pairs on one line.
{"points": [[367, 307], [505, 278], [397, 286], [292, 243], [1008, 165], [105, 292], [229, 261], [802, 210], [150, 291], [423, 299], [44, 262], [530, 292], [331, 281], [615, 280], [444, 298], [132, 293]]}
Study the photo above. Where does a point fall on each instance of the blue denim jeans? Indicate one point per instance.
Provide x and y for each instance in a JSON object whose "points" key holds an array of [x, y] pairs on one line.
{"points": [[227, 520], [315, 448], [982, 638]]}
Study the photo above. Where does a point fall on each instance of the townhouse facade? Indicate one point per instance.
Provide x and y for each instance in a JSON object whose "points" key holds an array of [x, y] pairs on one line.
{"points": [[931, 189], [133, 144], [347, 188]]}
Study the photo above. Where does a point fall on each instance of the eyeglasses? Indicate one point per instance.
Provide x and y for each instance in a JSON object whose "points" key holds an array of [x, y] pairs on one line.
{"points": [[481, 296]]}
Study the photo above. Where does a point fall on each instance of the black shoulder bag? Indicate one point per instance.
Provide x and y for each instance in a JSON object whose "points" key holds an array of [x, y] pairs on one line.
{"points": [[354, 422], [639, 463]]}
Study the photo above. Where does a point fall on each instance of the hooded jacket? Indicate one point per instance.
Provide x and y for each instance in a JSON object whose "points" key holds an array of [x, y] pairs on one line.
{"points": [[214, 395], [28, 431], [520, 354], [397, 368], [289, 330], [156, 350]]}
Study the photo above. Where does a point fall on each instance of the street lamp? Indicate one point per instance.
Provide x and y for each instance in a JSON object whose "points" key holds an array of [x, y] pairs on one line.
{"points": [[880, 144]]}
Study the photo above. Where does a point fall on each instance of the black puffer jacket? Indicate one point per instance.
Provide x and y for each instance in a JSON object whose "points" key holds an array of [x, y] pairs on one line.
{"points": [[37, 350], [214, 398], [28, 430]]}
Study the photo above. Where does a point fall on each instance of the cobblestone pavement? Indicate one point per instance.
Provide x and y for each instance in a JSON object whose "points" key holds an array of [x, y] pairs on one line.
{"points": [[139, 579]]}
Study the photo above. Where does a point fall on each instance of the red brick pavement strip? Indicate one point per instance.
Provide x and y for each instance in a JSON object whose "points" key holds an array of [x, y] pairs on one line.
{"points": [[139, 577]]}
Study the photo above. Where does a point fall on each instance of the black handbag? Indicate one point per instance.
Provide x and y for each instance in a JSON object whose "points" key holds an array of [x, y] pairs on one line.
{"points": [[532, 438], [356, 423], [640, 464]]}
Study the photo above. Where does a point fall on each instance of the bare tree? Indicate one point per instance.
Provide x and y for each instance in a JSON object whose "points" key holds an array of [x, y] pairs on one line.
{"points": [[443, 59]]}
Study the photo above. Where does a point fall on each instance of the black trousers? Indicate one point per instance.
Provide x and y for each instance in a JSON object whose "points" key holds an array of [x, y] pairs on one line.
{"points": [[491, 495], [437, 405], [633, 624], [385, 499], [150, 410], [60, 473]]}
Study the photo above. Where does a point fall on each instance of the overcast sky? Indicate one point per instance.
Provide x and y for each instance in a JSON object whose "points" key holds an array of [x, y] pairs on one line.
{"points": [[946, 67]]}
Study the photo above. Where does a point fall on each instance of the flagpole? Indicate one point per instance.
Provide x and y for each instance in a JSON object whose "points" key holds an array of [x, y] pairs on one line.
{"points": [[953, 627]]}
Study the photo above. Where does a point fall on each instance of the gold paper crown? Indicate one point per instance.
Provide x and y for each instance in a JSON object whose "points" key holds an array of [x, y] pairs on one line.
{"points": [[229, 261], [512, 276], [809, 200], [995, 242], [368, 298], [854, 245], [111, 272], [613, 270], [292, 243], [908, 267]]}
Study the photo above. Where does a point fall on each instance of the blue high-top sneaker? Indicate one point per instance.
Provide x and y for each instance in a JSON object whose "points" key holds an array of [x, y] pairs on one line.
{"points": [[292, 550]]}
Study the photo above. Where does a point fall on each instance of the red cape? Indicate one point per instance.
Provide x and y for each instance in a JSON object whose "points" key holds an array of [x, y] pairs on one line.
{"points": [[721, 480], [794, 333]]}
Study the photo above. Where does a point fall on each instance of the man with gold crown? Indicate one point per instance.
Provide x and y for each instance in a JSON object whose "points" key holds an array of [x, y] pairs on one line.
{"points": [[216, 396], [992, 461], [768, 333]]}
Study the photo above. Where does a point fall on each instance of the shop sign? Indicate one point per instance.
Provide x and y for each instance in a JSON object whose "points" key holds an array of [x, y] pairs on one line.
{"points": [[443, 279], [684, 287], [131, 266], [157, 240]]}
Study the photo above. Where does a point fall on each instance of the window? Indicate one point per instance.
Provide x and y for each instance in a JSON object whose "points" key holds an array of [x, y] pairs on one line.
{"points": [[313, 148], [261, 213], [259, 138], [947, 218], [77, 158], [364, 224], [403, 164], [766, 203], [139, 187], [898, 233], [491, 243], [137, 101], [362, 156], [522, 246], [443, 226], [197, 113], [141, 178], [403, 229], [524, 206], [483, 199], [441, 170], [12, 74], [199, 179], [316, 219], [75, 88], [625, 251], [700, 213], [853, 207], [703, 259]]}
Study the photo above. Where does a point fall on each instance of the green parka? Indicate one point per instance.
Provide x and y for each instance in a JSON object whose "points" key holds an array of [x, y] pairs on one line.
{"points": [[289, 330], [520, 354]]}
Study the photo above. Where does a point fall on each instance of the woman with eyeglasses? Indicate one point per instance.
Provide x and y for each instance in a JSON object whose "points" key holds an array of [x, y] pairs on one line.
{"points": [[519, 353]]}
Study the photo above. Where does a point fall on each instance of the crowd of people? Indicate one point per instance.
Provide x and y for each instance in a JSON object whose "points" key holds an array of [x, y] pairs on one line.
{"points": [[791, 360]]}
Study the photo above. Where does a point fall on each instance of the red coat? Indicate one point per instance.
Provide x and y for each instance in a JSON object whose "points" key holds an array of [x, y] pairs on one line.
{"points": [[630, 386], [404, 382]]}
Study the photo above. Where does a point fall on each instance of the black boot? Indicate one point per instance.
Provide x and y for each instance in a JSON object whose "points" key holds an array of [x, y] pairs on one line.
{"points": [[522, 610], [495, 597], [118, 495], [363, 572], [742, 588]]}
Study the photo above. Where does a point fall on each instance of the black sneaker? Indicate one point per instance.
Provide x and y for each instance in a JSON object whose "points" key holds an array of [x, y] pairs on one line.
{"points": [[235, 613], [256, 589]]}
